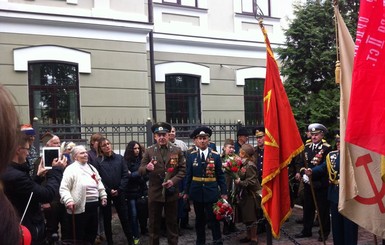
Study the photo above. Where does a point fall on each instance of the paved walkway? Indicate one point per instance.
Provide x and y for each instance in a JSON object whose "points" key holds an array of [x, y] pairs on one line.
{"points": [[290, 227]]}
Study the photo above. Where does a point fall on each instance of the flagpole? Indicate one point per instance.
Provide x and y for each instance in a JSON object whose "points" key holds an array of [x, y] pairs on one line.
{"points": [[315, 201]]}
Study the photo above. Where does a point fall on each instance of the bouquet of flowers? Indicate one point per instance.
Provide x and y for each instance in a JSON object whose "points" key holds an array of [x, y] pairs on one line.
{"points": [[222, 210], [232, 166]]}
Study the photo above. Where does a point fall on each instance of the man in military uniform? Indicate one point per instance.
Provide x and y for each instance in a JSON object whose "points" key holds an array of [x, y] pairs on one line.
{"points": [[166, 166], [315, 153], [204, 176], [259, 133], [344, 230], [242, 138]]}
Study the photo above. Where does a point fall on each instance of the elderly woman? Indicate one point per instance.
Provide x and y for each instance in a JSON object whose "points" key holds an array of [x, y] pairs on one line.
{"points": [[248, 189], [80, 190]]}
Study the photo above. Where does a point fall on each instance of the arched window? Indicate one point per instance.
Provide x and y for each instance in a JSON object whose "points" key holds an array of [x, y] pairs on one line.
{"points": [[253, 80], [54, 92], [182, 89], [182, 98], [53, 81]]}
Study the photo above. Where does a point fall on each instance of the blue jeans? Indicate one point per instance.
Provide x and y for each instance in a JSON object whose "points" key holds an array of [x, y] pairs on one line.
{"points": [[133, 217]]}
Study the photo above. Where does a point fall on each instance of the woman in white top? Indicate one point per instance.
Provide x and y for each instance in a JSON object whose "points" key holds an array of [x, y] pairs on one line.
{"points": [[80, 190]]}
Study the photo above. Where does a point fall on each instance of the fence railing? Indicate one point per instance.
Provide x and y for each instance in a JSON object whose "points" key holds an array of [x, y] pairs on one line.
{"points": [[121, 134]]}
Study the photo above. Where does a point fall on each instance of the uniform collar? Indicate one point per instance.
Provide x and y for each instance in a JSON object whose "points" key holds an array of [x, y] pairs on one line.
{"points": [[205, 152]]}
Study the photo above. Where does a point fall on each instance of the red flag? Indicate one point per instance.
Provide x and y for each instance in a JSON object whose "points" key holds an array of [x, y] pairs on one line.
{"points": [[282, 143], [366, 118], [361, 188]]}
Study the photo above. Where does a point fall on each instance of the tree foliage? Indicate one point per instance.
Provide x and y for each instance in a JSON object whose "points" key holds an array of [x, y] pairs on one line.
{"points": [[308, 61]]}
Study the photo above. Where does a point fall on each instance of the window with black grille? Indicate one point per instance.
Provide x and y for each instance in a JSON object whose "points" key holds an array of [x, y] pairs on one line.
{"points": [[54, 92], [182, 98], [253, 98]]}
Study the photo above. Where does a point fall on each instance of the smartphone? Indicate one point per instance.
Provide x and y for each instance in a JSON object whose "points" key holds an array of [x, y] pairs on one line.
{"points": [[49, 154]]}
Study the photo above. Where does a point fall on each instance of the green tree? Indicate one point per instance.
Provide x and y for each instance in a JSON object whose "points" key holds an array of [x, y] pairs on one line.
{"points": [[308, 61]]}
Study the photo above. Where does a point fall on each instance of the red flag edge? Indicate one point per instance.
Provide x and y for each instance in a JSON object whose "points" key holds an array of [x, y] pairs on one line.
{"points": [[269, 194]]}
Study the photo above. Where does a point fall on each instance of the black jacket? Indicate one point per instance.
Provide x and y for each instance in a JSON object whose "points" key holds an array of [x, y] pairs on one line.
{"points": [[18, 186], [113, 171], [137, 186]]}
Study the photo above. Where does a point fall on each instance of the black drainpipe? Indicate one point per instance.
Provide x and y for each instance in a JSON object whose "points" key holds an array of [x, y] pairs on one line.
{"points": [[152, 63]]}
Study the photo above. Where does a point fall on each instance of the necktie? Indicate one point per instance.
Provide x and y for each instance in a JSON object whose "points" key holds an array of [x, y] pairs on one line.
{"points": [[203, 157]]}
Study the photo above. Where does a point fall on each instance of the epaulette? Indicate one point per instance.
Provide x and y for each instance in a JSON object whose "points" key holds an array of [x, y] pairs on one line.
{"points": [[152, 146], [194, 151], [308, 143], [326, 144], [212, 151]]}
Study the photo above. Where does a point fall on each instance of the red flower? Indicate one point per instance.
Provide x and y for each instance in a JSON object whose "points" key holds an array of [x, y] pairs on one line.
{"points": [[94, 177], [170, 170], [232, 166], [222, 210]]}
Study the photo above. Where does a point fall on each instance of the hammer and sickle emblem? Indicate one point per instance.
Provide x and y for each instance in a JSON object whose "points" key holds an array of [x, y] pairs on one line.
{"points": [[378, 195]]}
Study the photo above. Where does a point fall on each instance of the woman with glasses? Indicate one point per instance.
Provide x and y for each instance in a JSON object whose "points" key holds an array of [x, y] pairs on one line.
{"points": [[114, 173]]}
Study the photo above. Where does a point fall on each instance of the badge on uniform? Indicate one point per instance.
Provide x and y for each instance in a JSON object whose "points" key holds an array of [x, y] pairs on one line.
{"points": [[195, 163]]}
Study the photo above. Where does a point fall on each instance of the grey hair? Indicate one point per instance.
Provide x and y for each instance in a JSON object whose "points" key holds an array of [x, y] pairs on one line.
{"points": [[75, 150]]}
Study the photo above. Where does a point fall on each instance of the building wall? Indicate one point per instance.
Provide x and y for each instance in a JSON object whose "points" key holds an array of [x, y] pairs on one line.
{"points": [[116, 88], [115, 34]]}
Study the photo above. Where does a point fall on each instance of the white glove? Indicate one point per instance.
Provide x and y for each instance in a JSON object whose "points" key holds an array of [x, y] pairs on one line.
{"points": [[305, 179]]}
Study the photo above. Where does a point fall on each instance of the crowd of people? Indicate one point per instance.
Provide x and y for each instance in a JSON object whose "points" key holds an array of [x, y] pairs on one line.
{"points": [[152, 189]]}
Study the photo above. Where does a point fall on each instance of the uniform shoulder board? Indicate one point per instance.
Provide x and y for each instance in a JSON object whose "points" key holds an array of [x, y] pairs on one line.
{"points": [[308, 143], [326, 144], [333, 152], [214, 152], [194, 151]]}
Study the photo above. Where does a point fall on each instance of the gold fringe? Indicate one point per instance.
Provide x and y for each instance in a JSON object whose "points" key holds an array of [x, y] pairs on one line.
{"points": [[283, 165], [269, 194]]}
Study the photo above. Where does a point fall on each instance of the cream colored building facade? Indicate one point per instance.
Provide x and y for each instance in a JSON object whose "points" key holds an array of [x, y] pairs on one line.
{"points": [[124, 52]]}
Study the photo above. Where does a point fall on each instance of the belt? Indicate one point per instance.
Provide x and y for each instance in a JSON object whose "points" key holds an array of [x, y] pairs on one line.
{"points": [[203, 179]]}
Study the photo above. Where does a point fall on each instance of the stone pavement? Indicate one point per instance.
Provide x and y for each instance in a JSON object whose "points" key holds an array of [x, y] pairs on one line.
{"points": [[290, 227]]}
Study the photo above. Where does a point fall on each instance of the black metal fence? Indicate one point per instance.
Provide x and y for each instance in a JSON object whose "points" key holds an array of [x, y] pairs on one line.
{"points": [[121, 134]]}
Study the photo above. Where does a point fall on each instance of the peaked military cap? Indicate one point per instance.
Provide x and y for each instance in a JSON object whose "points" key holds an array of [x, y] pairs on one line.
{"points": [[337, 137], [201, 131], [243, 131], [161, 128], [259, 131], [316, 128]]}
